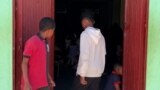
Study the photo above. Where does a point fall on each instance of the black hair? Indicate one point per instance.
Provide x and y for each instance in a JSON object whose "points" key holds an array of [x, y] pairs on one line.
{"points": [[88, 14], [46, 23], [117, 65]]}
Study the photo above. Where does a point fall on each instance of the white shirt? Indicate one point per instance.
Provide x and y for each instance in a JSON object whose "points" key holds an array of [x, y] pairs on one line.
{"points": [[92, 53]]}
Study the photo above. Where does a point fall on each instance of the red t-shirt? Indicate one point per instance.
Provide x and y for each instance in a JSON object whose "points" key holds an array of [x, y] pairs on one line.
{"points": [[36, 50]]}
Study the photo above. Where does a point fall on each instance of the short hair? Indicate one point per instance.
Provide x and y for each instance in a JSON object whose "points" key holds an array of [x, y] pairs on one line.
{"points": [[87, 14], [117, 65], [46, 23]]}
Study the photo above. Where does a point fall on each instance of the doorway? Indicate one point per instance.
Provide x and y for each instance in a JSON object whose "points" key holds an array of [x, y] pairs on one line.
{"points": [[135, 34], [108, 14]]}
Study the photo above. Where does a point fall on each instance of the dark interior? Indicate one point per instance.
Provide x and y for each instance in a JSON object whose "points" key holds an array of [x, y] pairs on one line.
{"points": [[108, 17]]}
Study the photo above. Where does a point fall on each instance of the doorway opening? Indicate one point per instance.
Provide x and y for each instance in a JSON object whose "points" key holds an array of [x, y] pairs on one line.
{"points": [[108, 17]]}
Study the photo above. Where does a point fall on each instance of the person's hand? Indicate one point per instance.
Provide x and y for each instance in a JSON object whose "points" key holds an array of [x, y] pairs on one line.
{"points": [[83, 81], [52, 83], [27, 86]]}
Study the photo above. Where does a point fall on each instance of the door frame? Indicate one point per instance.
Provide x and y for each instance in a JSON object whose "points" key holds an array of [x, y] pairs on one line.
{"points": [[135, 49], [18, 43]]}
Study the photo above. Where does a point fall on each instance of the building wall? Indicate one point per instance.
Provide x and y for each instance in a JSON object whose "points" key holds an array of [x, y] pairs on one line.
{"points": [[153, 56], [6, 45]]}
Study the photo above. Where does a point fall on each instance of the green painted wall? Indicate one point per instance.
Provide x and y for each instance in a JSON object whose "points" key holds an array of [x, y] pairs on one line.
{"points": [[153, 59], [6, 45]]}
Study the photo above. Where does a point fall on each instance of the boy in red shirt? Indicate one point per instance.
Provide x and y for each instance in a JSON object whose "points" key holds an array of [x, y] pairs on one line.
{"points": [[35, 58]]}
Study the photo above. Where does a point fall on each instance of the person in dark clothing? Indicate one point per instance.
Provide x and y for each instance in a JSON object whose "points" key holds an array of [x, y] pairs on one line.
{"points": [[114, 47], [114, 79]]}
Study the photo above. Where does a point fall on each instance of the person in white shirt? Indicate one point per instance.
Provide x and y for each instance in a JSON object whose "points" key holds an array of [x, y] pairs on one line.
{"points": [[92, 55]]}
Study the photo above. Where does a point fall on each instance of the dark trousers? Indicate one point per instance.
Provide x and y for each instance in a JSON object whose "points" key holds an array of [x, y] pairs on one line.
{"points": [[92, 84]]}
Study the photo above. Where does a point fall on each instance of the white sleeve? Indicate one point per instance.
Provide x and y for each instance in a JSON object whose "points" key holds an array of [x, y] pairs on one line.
{"points": [[84, 55]]}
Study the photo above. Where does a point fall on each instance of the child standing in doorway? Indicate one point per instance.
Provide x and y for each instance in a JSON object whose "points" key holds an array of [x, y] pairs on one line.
{"points": [[35, 67], [114, 79]]}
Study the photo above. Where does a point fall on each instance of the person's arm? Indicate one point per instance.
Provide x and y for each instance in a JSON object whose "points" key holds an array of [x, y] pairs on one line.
{"points": [[27, 85], [84, 55], [51, 82], [117, 82], [27, 54], [83, 80], [117, 87]]}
